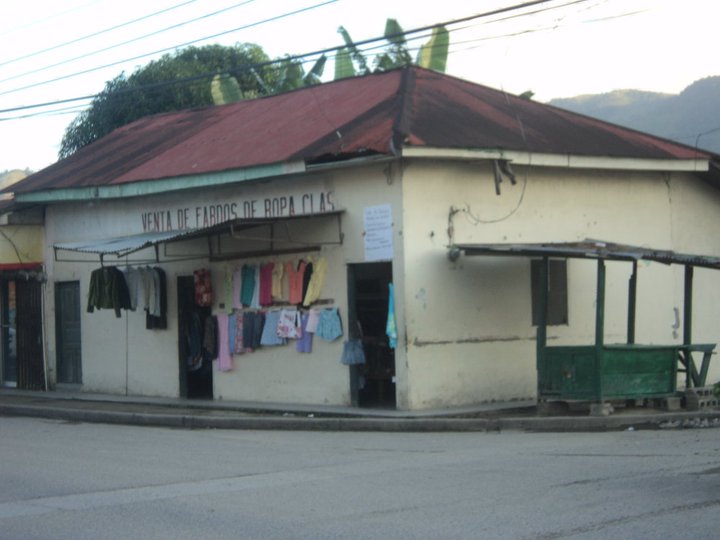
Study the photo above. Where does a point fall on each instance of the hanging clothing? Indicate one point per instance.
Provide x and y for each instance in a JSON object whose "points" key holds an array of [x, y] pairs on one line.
{"points": [[289, 324], [265, 288], [210, 338], [390, 326], [248, 284], [224, 359], [307, 276], [155, 307], [238, 346], [133, 280], [228, 290], [253, 323], [203, 287], [313, 320], [194, 337], [237, 289], [277, 281], [148, 283], [108, 290], [255, 302], [295, 281], [329, 326], [270, 333], [158, 319], [304, 344], [232, 331], [312, 294]]}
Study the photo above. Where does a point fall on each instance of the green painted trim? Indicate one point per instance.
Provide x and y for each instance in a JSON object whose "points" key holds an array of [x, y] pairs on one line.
{"points": [[164, 185]]}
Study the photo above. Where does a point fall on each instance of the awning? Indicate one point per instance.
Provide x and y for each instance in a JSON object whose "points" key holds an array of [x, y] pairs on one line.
{"points": [[586, 249], [121, 246]]}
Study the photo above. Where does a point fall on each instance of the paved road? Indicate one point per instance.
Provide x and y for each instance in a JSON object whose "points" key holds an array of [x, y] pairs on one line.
{"points": [[88, 481]]}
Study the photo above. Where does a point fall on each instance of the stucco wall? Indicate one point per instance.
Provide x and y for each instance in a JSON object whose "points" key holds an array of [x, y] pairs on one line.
{"points": [[122, 356], [465, 329], [468, 323]]}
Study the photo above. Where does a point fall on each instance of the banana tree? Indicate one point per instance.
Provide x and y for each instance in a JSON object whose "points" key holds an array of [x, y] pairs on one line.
{"points": [[350, 61], [289, 76]]}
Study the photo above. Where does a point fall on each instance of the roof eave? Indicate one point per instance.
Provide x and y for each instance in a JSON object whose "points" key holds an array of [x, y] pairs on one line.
{"points": [[161, 186], [570, 161]]}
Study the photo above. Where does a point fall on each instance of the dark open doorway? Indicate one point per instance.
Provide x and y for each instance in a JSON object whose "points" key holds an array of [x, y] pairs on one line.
{"points": [[68, 332], [372, 384], [196, 374]]}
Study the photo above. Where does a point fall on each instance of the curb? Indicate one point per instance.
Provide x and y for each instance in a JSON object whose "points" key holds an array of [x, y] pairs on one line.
{"points": [[310, 423]]}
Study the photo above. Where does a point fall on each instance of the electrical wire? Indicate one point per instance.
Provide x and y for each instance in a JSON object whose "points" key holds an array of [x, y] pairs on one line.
{"points": [[127, 42], [291, 57], [94, 34], [48, 18], [174, 47]]}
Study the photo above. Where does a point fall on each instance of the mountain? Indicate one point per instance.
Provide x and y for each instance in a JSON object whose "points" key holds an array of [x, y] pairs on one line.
{"points": [[691, 117], [8, 178]]}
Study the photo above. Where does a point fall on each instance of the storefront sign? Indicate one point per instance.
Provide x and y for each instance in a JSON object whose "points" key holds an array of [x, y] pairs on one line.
{"points": [[206, 215]]}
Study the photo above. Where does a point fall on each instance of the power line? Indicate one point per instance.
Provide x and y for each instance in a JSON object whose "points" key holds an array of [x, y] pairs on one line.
{"points": [[48, 18], [299, 57], [88, 36], [166, 49], [127, 42]]}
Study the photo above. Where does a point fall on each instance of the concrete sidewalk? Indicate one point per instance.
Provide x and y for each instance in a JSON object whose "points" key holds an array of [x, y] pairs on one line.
{"points": [[198, 414]]}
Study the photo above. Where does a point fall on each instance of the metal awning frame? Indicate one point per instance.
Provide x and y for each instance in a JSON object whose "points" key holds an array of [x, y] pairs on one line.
{"points": [[119, 248], [602, 252]]}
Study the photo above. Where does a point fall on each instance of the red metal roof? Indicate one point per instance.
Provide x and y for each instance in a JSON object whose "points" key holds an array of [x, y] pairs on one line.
{"points": [[375, 114]]}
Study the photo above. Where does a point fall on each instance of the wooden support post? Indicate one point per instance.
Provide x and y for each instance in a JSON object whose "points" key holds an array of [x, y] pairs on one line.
{"points": [[541, 336], [599, 328], [632, 303], [687, 324]]}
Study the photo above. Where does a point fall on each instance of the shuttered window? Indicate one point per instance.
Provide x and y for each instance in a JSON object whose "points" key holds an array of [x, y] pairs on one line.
{"points": [[557, 309]]}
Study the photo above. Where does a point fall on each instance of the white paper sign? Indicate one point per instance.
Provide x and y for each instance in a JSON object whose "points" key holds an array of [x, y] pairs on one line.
{"points": [[378, 226]]}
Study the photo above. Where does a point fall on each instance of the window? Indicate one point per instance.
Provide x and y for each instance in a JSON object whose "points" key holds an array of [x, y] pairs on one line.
{"points": [[557, 308]]}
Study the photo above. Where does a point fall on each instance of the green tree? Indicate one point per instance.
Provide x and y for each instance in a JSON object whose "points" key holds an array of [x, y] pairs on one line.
{"points": [[145, 92]]}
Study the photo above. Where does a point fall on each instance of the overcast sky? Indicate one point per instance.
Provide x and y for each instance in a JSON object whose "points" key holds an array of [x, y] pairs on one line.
{"points": [[556, 49]]}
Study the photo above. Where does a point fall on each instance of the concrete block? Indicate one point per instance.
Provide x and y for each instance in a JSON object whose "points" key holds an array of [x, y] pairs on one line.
{"points": [[601, 409], [673, 403], [702, 398]]}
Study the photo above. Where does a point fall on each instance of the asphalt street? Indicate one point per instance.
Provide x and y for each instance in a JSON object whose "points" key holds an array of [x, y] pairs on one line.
{"points": [[63, 480]]}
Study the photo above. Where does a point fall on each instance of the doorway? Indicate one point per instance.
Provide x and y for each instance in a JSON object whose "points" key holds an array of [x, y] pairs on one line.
{"points": [[8, 317], [196, 375], [67, 332], [23, 360], [373, 383]]}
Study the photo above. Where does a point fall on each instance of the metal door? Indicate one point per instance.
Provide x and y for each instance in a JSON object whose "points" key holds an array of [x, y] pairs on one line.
{"points": [[30, 359], [67, 332]]}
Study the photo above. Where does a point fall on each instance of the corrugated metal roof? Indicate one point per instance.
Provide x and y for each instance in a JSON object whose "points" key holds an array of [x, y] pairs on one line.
{"points": [[122, 245], [375, 114], [588, 249]]}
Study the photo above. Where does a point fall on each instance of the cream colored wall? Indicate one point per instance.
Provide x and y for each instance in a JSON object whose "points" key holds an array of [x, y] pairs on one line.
{"points": [[120, 356], [465, 332], [468, 323], [21, 244]]}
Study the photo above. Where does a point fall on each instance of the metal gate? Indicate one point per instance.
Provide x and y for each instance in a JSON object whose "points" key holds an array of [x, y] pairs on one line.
{"points": [[30, 361]]}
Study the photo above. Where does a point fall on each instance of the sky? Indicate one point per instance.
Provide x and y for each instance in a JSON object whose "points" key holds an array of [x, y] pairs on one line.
{"points": [[54, 50]]}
